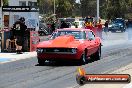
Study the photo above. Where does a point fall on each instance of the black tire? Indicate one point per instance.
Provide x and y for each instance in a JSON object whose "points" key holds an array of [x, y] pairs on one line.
{"points": [[113, 31], [81, 80], [122, 30], [96, 56], [43, 34], [84, 59], [41, 61]]}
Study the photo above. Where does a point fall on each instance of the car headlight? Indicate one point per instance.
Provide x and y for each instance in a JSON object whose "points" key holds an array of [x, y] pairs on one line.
{"points": [[39, 50], [121, 25], [109, 25], [74, 50]]}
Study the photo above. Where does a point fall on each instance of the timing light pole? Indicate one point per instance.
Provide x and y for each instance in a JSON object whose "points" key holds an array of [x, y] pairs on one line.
{"points": [[54, 6], [1, 15], [97, 10]]}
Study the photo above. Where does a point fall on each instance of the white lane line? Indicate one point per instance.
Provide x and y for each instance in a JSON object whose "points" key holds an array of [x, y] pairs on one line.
{"points": [[15, 57], [128, 85]]}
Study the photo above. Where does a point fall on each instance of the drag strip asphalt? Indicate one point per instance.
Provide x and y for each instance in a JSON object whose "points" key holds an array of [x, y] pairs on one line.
{"points": [[26, 74]]}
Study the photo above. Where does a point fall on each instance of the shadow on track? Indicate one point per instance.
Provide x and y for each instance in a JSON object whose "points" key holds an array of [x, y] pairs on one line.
{"points": [[63, 63]]}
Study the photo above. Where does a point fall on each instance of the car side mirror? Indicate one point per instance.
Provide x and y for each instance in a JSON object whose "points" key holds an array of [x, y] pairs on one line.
{"points": [[48, 37], [90, 39]]}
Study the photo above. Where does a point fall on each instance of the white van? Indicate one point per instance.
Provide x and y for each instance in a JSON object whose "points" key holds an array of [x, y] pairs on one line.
{"points": [[80, 24]]}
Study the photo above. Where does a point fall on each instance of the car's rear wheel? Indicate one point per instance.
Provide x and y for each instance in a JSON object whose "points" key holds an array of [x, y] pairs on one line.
{"points": [[113, 31], [96, 55], [41, 61], [43, 33], [123, 30], [84, 59]]}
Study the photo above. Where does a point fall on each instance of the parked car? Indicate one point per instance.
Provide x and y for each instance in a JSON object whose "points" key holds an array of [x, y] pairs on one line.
{"points": [[80, 24], [69, 24], [117, 24], [70, 44], [43, 29]]}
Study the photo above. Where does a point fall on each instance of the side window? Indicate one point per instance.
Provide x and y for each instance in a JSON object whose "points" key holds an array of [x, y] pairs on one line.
{"points": [[22, 3], [91, 36], [53, 35]]}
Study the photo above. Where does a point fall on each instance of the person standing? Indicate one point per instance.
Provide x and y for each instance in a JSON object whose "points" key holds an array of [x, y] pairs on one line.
{"points": [[129, 28], [106, 27], [19, 28], [63, 24], [76, 26], [53, 27], [99, 29], [11, 38]]}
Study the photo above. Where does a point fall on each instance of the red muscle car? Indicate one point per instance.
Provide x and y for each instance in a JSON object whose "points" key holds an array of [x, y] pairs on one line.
{"points": [[70, 44]]}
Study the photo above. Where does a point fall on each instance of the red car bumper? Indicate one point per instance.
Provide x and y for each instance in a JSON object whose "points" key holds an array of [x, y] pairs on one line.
{"points": [[47, 56]]}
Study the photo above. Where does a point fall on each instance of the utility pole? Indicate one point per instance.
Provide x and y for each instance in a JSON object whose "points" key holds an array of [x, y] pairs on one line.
{"points": [[1, 18], [97, 10], [54, 6]]}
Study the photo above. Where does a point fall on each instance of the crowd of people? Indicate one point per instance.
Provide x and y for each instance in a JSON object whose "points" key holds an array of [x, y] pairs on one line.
{"points": [[88, 25]]}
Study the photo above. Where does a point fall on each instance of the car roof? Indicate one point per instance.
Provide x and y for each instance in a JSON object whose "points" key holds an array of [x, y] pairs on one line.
{"points": [[78, 21], [73, 29]]}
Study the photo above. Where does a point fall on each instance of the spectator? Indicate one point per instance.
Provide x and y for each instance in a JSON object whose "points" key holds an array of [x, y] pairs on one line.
{"points": [[53, 27], [76, 26], [11, 38], [19, 28], [63, 24], [99, 30], [106, 27], [129, 28]]}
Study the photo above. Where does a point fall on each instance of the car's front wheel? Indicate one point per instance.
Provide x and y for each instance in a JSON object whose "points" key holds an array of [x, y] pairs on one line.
{"points": [[41, 61]]}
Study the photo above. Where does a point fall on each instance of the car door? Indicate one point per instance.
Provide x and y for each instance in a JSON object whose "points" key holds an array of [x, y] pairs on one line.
{"points": [[92, 42]]}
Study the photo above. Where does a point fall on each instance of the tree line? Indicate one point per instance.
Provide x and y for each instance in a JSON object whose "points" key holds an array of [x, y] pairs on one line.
{"points": [[63, 8], [116, 8], [109, 9]]}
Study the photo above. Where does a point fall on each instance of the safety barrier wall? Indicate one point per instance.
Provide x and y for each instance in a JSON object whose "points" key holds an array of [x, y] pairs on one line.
{"points": [[30, 41]]}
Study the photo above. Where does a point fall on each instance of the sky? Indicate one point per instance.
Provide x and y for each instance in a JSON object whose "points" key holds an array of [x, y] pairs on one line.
{"points": [[77, 1]]}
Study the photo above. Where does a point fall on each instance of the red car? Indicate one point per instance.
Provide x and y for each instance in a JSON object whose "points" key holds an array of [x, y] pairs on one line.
{"points": [[70, 44]]}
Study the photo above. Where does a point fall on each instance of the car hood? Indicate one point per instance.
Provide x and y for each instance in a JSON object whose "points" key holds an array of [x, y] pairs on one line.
{"points": [[61, 41]]}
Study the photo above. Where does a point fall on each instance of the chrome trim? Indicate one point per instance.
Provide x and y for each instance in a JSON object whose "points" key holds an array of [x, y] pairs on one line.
{"points": [[58, 53]]}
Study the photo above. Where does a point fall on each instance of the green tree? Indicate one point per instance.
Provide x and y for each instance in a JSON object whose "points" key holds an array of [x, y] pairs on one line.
{"points": [[5, 2], [88, 8], [45, 6], [64, 8], [116, 8]]}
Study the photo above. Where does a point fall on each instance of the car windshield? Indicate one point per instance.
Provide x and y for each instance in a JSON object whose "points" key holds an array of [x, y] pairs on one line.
{"points": [[76, 34], [118, 21], [89, 19]]}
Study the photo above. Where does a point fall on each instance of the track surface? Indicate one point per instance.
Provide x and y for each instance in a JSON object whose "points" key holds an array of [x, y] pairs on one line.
{"points": [[26, 73]]}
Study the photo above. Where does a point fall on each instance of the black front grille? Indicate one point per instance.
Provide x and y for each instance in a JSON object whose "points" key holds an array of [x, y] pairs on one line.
{"points": [[57, 50]]}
